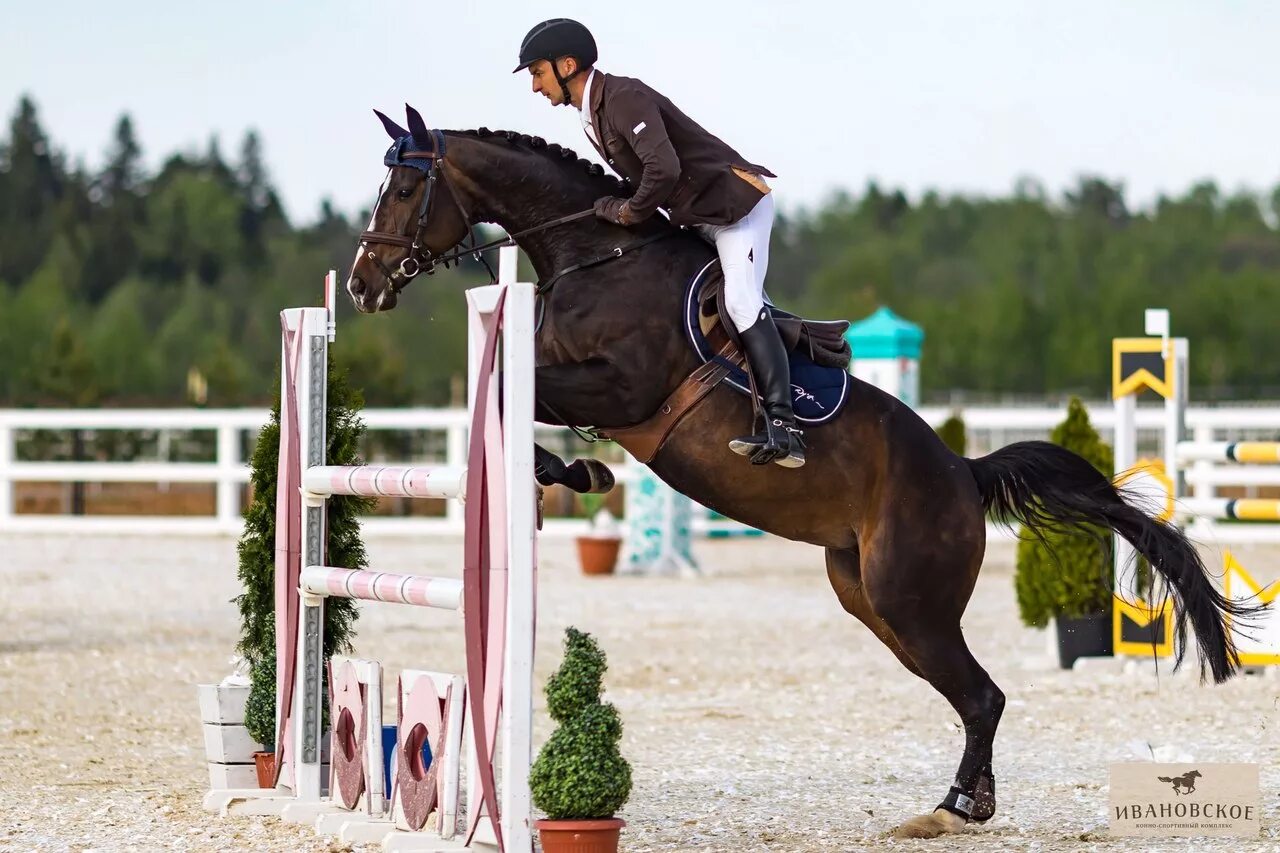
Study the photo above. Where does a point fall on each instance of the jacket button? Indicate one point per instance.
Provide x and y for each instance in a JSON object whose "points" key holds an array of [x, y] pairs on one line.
{"points": [[610, 162]]}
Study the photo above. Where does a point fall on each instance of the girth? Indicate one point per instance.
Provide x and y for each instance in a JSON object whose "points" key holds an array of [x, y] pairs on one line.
{"points": [[644, 440]]}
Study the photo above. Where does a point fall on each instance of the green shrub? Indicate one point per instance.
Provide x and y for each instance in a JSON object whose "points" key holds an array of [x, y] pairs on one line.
{"points": [[580, 773], [260, 708], [257, 545], [1069, 573], [953, 435]]}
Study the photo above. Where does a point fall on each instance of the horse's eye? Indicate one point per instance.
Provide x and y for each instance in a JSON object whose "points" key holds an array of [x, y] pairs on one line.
{"points": [[404, 193]]}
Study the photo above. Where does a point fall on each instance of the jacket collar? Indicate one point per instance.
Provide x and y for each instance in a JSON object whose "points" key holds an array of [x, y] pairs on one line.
{"points": [[595, 99]]}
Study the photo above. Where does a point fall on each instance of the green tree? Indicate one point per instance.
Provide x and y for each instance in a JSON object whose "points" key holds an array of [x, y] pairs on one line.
{"points": [[257, 545], [32, 184], [114, 222]]}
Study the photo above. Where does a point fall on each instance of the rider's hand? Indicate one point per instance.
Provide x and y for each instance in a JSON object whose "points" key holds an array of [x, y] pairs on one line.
{"points": [[615, 210]]}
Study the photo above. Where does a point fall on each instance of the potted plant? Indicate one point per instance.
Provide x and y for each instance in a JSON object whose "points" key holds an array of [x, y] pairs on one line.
{"points": [[1068, 577], [260, 718], [256, 551], [580, 778], [599, 547]]}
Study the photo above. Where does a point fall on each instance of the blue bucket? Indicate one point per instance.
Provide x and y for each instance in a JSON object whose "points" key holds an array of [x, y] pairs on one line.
{"points": [[389, 754]]}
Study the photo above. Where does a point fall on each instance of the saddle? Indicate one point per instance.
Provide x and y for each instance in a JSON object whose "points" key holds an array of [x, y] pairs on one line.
{"points": [[822, 341], [819, 356]]}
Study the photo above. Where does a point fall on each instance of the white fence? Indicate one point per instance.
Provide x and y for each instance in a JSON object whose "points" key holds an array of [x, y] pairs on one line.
{"points": [[989, 427]]}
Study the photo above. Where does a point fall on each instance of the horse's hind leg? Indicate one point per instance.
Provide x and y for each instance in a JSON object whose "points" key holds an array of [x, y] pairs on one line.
{"points": [[919, 589], [845, 576]]}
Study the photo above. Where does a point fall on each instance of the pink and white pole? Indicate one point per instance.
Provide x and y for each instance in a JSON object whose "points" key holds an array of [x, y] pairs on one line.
{"points": [[497, 593]]}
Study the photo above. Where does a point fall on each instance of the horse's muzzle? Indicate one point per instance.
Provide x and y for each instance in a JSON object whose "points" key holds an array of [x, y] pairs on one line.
{"points": [[368, 300]]}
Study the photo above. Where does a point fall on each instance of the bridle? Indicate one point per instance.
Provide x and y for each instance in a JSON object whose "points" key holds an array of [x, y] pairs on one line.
{"points": [[407, 151], [420, 259]]}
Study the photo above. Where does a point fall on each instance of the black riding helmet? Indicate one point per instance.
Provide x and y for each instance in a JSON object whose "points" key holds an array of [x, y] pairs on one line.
{"points": [[553, 39]]}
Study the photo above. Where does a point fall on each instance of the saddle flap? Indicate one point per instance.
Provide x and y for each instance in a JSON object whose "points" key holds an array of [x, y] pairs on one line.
{"points": [[818, 353]]}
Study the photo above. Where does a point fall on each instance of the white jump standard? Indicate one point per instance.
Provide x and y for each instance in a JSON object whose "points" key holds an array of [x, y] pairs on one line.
{"points": [[493, 704]]}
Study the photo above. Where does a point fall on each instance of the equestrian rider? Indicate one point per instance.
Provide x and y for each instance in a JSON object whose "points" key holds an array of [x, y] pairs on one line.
{"points": [[700, 181]]}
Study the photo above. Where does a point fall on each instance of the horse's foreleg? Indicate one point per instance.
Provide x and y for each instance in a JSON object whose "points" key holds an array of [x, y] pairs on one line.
{"points": [[575, 395], [584, 476], [589, 393]]}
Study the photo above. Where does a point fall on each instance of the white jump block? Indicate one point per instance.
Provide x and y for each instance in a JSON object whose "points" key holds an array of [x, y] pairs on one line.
{"points": [[332, 821], [426, 842], [249, 801], [305, 812], [222, 704], [224, 776], [360, 829], [229, 744]]}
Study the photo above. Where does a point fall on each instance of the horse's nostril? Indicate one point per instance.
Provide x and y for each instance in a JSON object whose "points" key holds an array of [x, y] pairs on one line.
{"points": [[357, 287]]}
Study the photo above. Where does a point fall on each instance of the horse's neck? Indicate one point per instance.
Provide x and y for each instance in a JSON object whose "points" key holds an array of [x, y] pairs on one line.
{"points": [[501, 190]]}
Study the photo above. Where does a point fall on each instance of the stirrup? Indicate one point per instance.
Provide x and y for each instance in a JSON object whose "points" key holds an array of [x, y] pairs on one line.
{"points": [[794, 457], [765, 447]]}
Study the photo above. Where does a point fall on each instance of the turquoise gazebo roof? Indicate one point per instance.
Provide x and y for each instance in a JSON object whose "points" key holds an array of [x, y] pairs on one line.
{"points": [[885, 335]]}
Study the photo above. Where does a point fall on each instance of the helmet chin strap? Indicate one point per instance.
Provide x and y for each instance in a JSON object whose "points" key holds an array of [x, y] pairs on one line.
{"points": [[564, 81]]}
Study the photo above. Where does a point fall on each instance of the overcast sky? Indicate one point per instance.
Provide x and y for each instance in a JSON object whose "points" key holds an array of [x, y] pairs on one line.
{"points": [[954, 96]]}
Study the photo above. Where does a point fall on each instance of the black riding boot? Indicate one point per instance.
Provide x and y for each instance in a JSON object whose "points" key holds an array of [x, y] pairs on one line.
{"points": [[781, 440]]}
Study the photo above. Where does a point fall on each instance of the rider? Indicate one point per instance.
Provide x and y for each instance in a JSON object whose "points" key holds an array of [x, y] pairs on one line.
{"points": [[703, 183]]}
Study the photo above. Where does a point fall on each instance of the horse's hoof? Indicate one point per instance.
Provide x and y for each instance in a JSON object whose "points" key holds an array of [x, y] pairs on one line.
{"points": [[600, 478], [941, 822]]}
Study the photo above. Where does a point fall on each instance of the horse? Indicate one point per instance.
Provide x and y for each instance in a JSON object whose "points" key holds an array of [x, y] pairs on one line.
{"points": [[900, 516]]}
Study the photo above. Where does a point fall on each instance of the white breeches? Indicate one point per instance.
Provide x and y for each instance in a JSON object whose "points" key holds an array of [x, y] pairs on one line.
{"points": [[744, 257]]}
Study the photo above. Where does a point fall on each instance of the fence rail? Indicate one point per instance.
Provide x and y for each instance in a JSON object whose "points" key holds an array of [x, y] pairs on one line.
{"points": [[988, 428]]}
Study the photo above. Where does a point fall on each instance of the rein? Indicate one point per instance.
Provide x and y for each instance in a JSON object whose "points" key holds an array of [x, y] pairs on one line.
{"points": [[421, 259]]}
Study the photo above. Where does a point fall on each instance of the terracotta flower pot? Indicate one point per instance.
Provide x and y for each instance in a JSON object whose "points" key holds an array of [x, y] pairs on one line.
{"points": [[598, 555], [265, 764], [579, 836]]}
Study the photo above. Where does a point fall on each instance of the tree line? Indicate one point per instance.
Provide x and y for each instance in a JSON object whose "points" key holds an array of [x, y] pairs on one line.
{"points": [[122, 287]]}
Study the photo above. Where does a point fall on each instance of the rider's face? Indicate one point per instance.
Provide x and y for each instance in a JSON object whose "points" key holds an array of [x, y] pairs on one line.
{"points": [[544, 78]]}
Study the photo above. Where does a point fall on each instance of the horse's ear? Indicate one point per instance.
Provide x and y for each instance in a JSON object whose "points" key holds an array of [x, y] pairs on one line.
{"points": [[417, 126], [393, 130]]}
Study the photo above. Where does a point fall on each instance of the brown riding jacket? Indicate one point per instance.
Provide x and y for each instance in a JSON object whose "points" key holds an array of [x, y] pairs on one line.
{"points": [[670, 159]]}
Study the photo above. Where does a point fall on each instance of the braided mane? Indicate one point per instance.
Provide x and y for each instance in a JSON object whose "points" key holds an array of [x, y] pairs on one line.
{"points": [[557, 154]]}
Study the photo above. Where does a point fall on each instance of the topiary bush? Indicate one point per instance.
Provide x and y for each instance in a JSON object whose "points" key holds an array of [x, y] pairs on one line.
{"points": [[260, 707], [1068, 573], [953, 435], [257, 545], [580, 773]]}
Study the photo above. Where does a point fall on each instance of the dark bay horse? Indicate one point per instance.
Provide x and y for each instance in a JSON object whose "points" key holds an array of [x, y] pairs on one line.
{"points": [[901, 517]]}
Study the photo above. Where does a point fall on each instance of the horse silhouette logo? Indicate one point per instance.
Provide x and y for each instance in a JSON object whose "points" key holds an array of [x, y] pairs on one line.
{"points": [[1186, 781]]}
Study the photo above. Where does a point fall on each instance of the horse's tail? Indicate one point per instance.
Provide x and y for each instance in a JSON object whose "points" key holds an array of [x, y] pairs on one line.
{"points": [[1046, 487], [1164, 778]]}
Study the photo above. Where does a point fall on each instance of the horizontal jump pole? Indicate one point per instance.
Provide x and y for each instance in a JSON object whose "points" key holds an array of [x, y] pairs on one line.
{"points": [[397, 481], [1241, 509], [1229, 451], [417, 590]]}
